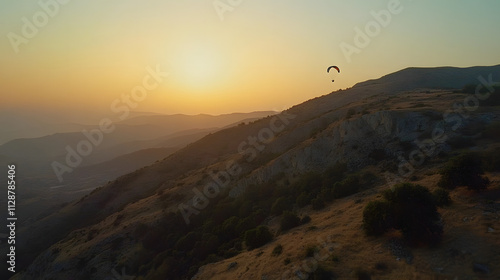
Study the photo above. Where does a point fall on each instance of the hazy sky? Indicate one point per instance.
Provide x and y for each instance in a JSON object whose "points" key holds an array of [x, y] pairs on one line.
{"points": [[77, 58]]}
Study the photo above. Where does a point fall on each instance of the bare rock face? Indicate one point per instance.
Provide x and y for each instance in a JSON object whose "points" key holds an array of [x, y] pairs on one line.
{"points": [[355, 141]]}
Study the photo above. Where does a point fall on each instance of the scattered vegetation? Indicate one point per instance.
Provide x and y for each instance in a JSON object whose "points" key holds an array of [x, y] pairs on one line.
{"points": [[226, 224], [351, 112], [257, 237], [441, 197], [277, 250]]}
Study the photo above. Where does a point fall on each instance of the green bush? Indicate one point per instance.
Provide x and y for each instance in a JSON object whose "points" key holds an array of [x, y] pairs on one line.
{"points": [[318, 203], [277, 250], [346, 187], [441, 197], [410, 208], [281, 204], [414, 213], [375, 217], [335, 173], [257, 237], [289, 220], [464, 170], [302, 200]]}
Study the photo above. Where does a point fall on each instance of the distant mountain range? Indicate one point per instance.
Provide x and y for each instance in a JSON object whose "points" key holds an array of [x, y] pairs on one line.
{"points": [[135, 142]]}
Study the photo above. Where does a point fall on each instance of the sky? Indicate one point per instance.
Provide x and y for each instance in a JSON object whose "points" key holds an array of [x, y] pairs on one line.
{"points": [[80, 61]]}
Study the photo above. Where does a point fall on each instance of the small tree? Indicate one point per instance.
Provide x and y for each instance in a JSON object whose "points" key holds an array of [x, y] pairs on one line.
{"points": [[318, 203], [289, 220], [409, 208], [441, 197], [413, 212], [376, 217], [464, 170], [281, 204], [302, 200], [257, 237]]}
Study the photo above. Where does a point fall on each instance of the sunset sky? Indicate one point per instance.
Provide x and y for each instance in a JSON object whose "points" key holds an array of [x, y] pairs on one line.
{"points": [[258, 55]]}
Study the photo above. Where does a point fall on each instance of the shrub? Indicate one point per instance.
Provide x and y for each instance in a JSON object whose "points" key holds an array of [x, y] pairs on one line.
{"points": [[464, 170], [441, 197], [335, 173], [310, 251], [306, 219], [414, 213], [375, 217], [318, 203], [277, 250], [321, 274], [409, 208], [245, 224], [281, 204], [289, 220], [257, 237], [302, 200], [346, 187], [350, 113]]}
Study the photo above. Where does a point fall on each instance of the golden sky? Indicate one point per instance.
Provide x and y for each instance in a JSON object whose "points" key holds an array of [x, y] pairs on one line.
{"points": [[75, 58]]}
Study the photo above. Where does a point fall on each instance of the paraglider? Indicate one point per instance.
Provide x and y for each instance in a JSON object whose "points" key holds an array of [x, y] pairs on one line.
{"points": [[334, 67]]}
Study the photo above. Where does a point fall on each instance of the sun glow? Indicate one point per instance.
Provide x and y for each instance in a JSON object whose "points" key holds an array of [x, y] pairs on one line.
{"points": [[199, 67]]}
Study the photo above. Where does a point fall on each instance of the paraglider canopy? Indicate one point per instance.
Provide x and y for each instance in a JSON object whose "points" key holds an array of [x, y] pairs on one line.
{"points": [[335, 67], [330, 68]]}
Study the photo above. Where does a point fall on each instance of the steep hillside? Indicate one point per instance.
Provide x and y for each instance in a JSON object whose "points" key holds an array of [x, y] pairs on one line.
{"points": [[353, 139]]}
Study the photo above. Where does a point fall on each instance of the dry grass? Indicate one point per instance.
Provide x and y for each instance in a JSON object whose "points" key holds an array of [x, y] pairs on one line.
{"points": [[466, 241]]}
